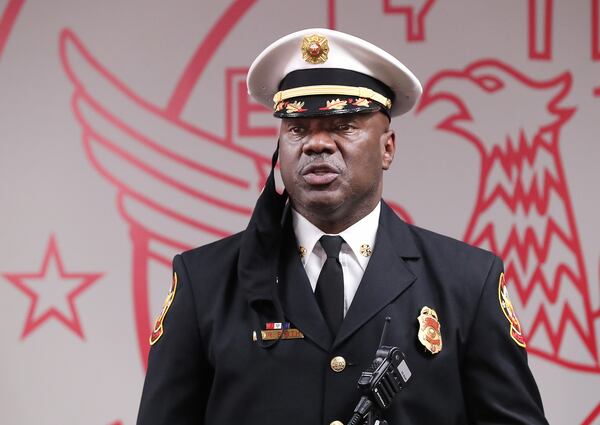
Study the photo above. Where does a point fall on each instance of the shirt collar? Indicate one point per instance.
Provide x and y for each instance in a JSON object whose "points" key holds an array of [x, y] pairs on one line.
{"points": [[359, 237]]}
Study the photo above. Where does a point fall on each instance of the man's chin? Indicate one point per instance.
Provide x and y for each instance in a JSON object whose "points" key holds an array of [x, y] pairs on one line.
{"points": [[322, 202]]}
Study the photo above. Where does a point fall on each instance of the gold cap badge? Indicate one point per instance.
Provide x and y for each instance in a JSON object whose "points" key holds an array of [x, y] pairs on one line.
{"points": [[430, 334], [315, 48]]}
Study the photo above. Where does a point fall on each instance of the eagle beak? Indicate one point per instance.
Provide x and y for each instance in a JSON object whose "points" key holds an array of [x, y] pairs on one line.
{"points": [[446, 88], [561, 86]]}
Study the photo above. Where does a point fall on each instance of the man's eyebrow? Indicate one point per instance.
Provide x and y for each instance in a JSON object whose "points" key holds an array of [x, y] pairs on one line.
{"points": [[294, 122], [344, 117], [348, 119]]}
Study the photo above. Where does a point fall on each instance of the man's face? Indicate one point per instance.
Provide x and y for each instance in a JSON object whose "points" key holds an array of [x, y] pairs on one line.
{"points": [[332, 167]]}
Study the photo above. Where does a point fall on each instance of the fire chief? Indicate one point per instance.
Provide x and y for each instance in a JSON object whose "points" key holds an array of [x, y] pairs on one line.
{"points": [[277, 324]]}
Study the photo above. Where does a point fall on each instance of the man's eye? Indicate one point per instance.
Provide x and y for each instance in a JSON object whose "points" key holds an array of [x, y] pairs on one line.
{"points": [[296, 130], [344, 127]]}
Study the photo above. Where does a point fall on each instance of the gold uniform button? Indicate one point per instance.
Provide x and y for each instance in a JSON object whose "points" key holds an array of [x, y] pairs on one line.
{"points": [[336, 423], [338, 363]]}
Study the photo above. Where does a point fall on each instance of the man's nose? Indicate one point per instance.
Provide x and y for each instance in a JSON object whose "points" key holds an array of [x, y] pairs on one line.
{"points": [[318, 142]]}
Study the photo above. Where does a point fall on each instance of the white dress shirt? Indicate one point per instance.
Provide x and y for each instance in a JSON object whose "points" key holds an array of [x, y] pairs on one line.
{"points": [[359, 242]]}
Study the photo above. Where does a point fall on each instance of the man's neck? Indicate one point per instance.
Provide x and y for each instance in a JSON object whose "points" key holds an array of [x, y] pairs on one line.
{"points": [[336, 226]]}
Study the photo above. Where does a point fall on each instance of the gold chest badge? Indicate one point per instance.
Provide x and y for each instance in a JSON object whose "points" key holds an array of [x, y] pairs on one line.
{"points": [[430, 334]]}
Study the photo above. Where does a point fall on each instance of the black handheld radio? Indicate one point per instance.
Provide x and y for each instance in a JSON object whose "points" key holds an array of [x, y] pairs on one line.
{"points": [[380, 383]]}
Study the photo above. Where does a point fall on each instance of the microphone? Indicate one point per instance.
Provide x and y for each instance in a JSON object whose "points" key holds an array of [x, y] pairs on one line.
{"points": [[387, 375]]}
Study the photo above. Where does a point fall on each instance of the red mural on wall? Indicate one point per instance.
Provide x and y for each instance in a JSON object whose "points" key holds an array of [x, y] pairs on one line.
{"points": [[595, 35], [242, 108], [523, 211], [595, 23], [137, 162], [7, 20], [593, 418], [522, 180], [540, 28], [414, 12], [150, 198], [520, 175], [170, 173]]}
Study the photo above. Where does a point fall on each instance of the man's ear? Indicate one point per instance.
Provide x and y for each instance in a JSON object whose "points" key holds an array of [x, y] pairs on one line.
{"points": [[388, 145]]}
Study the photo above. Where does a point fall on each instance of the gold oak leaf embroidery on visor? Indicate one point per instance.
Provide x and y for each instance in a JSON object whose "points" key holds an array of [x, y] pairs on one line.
{"points": [[334, 104], [362, 102], [294, 107]]}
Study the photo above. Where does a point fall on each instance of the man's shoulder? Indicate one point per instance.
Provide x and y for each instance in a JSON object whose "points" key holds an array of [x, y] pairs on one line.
{"points": [[453, 256], [221, 251], [414, 241], [439, 242]]}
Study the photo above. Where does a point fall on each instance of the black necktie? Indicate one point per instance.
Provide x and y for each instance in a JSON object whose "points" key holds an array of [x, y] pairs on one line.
{"points": [[330, 284]]}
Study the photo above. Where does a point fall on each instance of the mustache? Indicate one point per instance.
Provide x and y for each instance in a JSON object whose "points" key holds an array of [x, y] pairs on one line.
{"points": [[322, 160]]}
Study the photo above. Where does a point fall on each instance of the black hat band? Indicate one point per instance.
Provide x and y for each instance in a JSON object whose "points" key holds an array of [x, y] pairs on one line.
{"points": [[328, 91]]}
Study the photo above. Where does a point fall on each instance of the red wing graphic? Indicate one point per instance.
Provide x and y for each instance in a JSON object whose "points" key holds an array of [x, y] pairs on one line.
{"points": [[175, 183], [523, 211], [7, 20], [594, 417]]}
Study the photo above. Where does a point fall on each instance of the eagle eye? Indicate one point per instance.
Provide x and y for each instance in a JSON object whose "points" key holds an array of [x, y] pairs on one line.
{"points": [[489, 83]]}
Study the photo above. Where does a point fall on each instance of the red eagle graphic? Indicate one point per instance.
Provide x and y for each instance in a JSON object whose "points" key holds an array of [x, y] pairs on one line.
{"points": [[523, 210]]}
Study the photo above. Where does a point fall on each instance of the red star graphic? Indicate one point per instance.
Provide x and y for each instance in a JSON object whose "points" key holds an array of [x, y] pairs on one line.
{"points": [[52, 292]]}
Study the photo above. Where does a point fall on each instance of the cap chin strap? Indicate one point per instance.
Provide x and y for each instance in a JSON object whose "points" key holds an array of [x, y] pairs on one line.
{"points": [[363, 92]]}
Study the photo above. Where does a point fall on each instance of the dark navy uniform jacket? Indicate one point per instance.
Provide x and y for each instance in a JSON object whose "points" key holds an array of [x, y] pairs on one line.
{"points": [[206, 368]]}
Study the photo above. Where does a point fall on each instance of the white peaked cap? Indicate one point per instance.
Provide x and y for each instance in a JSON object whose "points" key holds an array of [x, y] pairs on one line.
{"points": [[345, 52]]}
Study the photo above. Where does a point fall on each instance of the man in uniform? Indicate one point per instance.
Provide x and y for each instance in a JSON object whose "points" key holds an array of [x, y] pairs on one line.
{"points": [[274, 325]]}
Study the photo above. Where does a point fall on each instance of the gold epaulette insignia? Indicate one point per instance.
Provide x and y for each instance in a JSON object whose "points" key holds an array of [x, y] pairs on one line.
{"points": [[516, 332], [158, 330]]}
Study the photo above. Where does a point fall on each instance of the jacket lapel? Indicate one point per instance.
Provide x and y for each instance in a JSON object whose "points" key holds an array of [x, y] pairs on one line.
{"points": [[387, 275], [298, 300]]}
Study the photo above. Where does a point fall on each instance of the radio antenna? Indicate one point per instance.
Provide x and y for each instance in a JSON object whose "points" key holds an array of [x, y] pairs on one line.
{"points": [[383, 333]]}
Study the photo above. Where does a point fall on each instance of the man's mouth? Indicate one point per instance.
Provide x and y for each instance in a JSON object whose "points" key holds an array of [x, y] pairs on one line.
{"points": [[319, 174]]}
